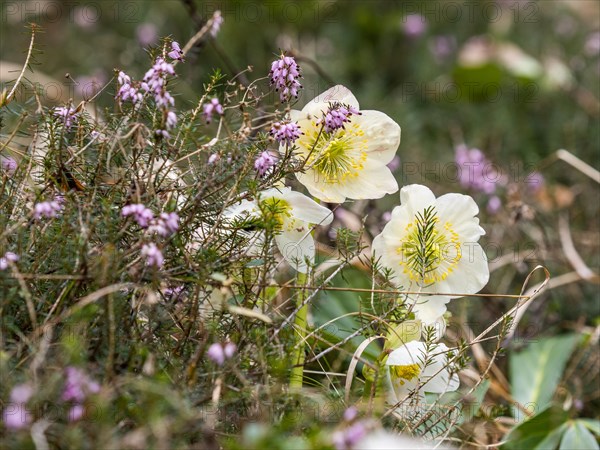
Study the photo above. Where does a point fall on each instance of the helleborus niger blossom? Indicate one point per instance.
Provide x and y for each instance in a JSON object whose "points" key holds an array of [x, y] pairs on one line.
{"points": [[345, 154], [416, 367], [430, 244], [290, 215]]}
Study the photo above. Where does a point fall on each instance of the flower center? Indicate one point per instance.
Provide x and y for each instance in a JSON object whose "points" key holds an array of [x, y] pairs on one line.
{"points": [[275, 212], [430, 250], [405, 373], [336, 156]]}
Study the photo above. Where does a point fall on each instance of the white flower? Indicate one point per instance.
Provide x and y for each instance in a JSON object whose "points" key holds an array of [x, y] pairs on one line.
{"points": [[349, 162], [431, 245], [386, 440], [412, 367], [292, 213]]}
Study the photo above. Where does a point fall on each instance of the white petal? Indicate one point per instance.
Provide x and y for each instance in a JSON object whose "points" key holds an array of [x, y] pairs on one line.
{"points": [[416, 198], [436, 374], [460, 210], [374, 181], [276, 192], [470, 275], [296, 246], [326, 192], [429, 308], [242, 209], [307, 210], [338, 93], [382, 134], [412, 352]]}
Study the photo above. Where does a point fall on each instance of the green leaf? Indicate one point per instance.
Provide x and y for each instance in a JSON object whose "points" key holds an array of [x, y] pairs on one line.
{"points": [[541, 432], [536, 371], [578, 437], [591, 424]]}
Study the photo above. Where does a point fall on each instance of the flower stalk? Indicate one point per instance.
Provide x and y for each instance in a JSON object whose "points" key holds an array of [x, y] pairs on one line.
{"points": [[300, 327]]}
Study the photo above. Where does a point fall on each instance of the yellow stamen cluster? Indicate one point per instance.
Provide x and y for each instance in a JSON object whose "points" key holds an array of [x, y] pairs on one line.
{"points": [[276, 211], [429, 251], [405, 373], [337, 156]]}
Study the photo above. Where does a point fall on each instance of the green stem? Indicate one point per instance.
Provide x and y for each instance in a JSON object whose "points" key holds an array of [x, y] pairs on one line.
{"points": [[300, 326]]}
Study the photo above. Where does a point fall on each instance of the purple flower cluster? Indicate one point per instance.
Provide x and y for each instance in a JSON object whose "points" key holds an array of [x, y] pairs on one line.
{"points": [[142, 215], [264, 163], [284, 74], [175, 53], [337, 116], [68, 114], [166, 224], [8, 165], [48, 209], [476, 172], [8, 258], [155, 82], [217, 21], [285, 132], [354, 431], [78, 387], [153, 255], [211, 108], [219, 353], [16, 415], [127, 90]]}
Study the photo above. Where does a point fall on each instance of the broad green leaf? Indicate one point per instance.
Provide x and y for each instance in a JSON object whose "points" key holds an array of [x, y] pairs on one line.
{"points": [[591, 424], [536, 371], [541, 432], [578, 437]]}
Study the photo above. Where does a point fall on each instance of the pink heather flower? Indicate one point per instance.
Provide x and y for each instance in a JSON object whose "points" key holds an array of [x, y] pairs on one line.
{"points": [[441, 47], [153, 255], [48, 209], [8, 258], [284, 76], [146, 34], [164, 133], [175, 52], [347, 438], [8, 164], [15, 415], [414, 25], [535, 181], [78, 385], [350, 414], [211, 108], [173, 293], [394, 164], [229, 349], [76, 412], [155, 82], [68, 114], [218, 352], [475, 171], [264, 163], [592, 44], [494, 205], [171, 120], [127, 91], [217, 21], [166, 224], [213, 158], [285, 132], [337, 116], [142, 215]]}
